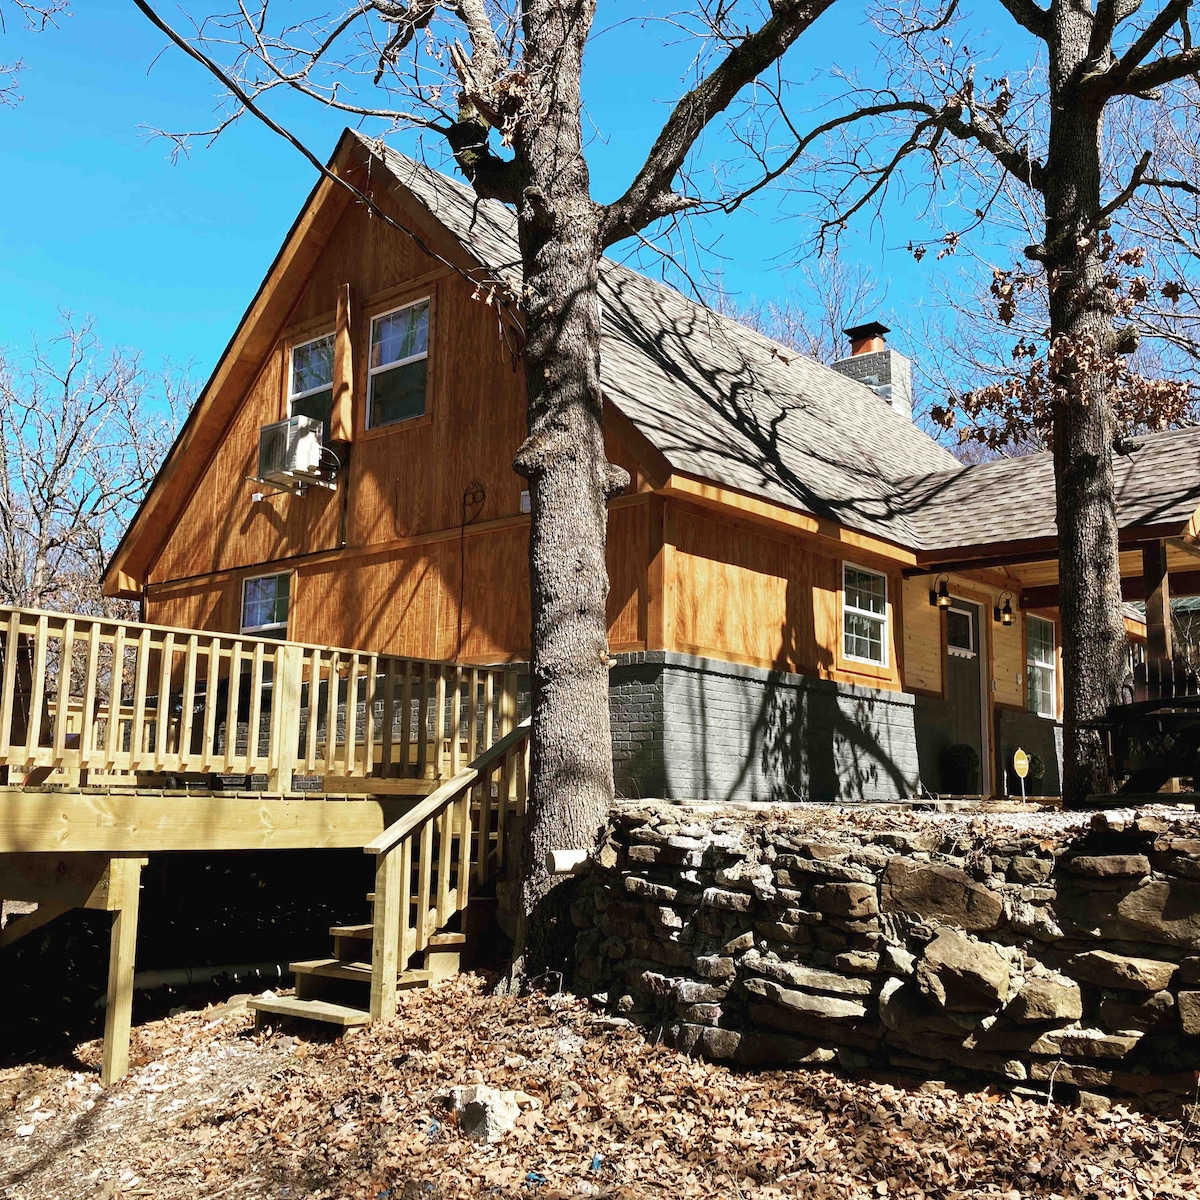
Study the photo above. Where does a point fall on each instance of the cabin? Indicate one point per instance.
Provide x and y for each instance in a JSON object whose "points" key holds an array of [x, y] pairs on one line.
{"points": [[809, 597]]}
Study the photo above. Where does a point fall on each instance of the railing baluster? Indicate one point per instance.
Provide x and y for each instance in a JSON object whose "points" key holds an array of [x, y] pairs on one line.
{"points": [[36, 691], [162, 717], [233, 705], [212, 692], [423, 723], [406, 682], [62, 707], [187, 712], [333, 764], [137, 728], [389, 716], [87, 725], [407, 933], [489, 709], [371, 683], [445, 836], [424, 884], [116, 687], [473, 714], [456, 722], [439, 725], [316, 658], [12, 640], [462, 809], [484, 853], [352, 717], [254, 717]]}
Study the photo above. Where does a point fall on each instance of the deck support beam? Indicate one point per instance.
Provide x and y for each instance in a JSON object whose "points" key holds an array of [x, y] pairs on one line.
{"points": [[125, 881]]}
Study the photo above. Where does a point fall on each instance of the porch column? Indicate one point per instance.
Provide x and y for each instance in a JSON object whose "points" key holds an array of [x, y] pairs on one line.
{"points": [[1158, 599]]}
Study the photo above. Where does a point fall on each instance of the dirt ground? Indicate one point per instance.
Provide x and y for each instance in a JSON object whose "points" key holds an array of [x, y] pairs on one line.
{"points": [[212, 1109]]}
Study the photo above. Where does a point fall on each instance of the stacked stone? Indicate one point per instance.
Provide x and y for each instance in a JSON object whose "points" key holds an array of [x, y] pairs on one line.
{"points": [[1043, 962]]}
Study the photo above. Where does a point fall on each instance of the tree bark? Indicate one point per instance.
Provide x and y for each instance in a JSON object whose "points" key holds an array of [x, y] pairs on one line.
{"points": [[570, 482], [1093, 634]]}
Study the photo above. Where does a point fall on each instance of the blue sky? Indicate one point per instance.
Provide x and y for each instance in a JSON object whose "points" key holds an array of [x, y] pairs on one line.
{"points": [[95, 218]]}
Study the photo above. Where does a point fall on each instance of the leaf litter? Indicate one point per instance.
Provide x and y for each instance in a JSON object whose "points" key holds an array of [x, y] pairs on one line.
{"points": [[210, 1108]]}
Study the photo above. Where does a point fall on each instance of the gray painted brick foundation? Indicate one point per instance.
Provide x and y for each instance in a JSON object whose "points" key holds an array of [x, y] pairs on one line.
{"points": [[688, 728]]}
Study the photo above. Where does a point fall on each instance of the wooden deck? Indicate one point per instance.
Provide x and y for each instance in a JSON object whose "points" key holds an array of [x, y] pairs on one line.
{"points": [[119, 739]]}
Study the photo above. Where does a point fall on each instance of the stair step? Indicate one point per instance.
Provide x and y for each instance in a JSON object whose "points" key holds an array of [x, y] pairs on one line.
{"points": [[366, 932], [352, 931], [312, 1010], [359, 972]]}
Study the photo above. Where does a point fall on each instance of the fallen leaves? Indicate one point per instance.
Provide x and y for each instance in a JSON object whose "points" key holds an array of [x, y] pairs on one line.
{"points": [[211, 1110]]}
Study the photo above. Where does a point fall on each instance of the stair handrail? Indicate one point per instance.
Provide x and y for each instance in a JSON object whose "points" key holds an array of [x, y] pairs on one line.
{"points": [[445, 792]]}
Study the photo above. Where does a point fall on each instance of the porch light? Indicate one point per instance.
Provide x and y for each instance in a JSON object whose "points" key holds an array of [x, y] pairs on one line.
{"points": [[1003, 611], [939, 594]]}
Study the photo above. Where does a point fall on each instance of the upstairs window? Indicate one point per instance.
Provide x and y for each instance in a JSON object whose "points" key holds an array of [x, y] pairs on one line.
{"points": [[864, 615], [310, 388], [397, 368], [265, 601], [1042, 693]]}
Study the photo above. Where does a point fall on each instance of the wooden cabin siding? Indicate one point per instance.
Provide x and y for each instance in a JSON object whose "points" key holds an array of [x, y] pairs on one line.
{"points": [[923, 647], [744, 595]]}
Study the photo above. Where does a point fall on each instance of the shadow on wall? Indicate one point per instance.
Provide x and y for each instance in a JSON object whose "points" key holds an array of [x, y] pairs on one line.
{"points": [[733, 733]]}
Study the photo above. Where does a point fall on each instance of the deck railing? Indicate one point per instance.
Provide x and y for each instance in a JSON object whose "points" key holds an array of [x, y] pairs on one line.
{"points": [[82, 697], [428, 860]]}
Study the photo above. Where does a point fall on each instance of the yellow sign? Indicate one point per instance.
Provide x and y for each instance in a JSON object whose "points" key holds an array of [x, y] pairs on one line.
{"points": [[1020, 764]]}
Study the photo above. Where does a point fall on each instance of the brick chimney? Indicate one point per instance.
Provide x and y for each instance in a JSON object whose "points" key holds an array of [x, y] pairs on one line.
{"points": [[882, 369]]}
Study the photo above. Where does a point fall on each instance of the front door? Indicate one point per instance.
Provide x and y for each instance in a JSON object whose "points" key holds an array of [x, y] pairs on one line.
{"points": [[964, 693]]}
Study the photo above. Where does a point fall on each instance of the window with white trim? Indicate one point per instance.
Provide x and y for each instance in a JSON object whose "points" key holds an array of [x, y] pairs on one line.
{"points": [[864, 615], [1042, 691], [265, 600], [960, 632], [310, 381], [398, 365]]}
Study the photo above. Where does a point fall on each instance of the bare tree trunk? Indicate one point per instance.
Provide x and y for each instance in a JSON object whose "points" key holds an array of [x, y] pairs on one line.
{"points": [[570, 484], [1093, 634]]}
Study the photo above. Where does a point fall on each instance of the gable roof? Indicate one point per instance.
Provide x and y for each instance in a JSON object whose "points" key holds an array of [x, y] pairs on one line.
{"points": [[719, 401]]}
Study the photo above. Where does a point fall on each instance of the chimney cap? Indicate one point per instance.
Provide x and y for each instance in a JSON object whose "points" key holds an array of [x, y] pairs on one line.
{"points": [[869, 330]]}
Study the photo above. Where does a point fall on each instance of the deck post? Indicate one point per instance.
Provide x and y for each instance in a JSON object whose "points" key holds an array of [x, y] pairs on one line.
{"points": [[125, 879], [285, 714], [1156, 581], [385, 938]]}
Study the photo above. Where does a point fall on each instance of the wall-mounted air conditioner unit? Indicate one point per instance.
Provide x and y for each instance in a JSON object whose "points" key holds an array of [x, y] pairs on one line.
{"points": [[289, 454]]}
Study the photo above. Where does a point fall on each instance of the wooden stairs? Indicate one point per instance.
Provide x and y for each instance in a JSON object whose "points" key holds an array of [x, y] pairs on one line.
{"points": [[426, 866]]}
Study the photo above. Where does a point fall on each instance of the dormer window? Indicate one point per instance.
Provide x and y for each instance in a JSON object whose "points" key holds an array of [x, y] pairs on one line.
{"points": [[310, 390], [398, 365]]}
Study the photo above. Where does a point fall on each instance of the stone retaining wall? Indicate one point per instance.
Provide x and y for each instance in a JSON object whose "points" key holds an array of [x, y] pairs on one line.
{"points": [[1039, 950]]}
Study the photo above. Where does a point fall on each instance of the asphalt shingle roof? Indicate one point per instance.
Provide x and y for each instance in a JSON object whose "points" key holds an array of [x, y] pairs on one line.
{"points": [[723, 402]]}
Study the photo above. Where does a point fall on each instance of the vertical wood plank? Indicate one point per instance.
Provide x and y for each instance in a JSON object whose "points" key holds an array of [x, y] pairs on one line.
{"points": [[187, 715], [285, 712], [456, 720], [233, 707], [162, 715], [370, 687], [66, 651], [254, 717], [352, 717], [212, 691], [137, 728], [423, 722], [12, 641], [462, 819], [445, 822], [424, 884], [87, 731], [116, 687], [385, 934], [387, 767], [37, 689], [406, 685], [315, 661], [473, 716], [439, 725], [407, 933]]}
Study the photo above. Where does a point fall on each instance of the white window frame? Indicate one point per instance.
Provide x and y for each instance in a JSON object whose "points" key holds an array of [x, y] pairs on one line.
{"points": [[400, 362], [881, 619], [294, 396], [958, 651], [1051, 666], [258, 630]]}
